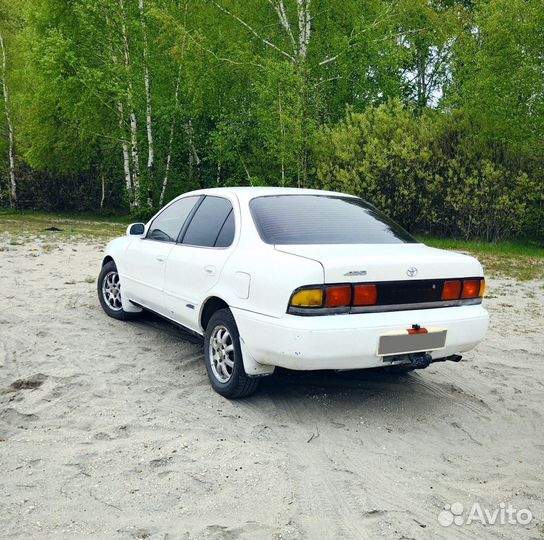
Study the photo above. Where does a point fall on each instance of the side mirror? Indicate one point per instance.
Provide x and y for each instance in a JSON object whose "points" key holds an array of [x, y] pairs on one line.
{"points": [[135, 229]]}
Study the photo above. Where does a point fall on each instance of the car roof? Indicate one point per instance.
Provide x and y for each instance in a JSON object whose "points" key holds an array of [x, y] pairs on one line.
{"points": [[246, 193]]}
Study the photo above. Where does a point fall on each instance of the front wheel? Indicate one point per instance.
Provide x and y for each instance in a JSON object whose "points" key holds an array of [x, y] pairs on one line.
{"points": [[224, 362], [109, 292]]}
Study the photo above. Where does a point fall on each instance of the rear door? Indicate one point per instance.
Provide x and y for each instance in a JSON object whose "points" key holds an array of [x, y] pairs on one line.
{"points": [[194, 265], [146, 257]]}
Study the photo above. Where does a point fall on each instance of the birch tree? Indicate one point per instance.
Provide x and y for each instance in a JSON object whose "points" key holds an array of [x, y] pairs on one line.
{"points": [[11, 135], [135, 152], [147, 83], [170, 140], [122, 123], [295, 53]]}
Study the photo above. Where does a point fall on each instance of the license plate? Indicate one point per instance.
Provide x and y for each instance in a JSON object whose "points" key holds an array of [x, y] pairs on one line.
{"points": [[404, 343]]}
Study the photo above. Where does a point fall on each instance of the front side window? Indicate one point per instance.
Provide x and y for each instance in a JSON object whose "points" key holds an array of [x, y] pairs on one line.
{"points": [[323, 219], [167, 225], [212, 225]]}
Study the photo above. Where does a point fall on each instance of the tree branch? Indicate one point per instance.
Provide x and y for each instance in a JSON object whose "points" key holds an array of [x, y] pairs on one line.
{"points": [[181, 28], [279, 7], [253, 31], [354, 36]]}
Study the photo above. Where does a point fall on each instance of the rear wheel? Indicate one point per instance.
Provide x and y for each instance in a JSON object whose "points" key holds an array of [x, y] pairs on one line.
{"points": [[224, 362], [109, 292]]}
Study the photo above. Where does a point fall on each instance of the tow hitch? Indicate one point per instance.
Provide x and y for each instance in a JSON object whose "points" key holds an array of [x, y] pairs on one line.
{"points": [[420, 360]]}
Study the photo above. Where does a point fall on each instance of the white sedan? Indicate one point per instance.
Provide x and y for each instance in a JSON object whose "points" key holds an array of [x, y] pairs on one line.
{"points": [[297, 278]]}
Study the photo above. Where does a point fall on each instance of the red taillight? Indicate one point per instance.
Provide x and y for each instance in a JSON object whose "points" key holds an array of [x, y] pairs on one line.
{"points": [[471, 288], [346, 298], [451, 290], [365, 295], [338, 296]]}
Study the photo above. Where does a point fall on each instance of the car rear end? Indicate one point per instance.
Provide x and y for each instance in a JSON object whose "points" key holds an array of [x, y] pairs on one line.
{"points": [[384, 298], [354, 341]]}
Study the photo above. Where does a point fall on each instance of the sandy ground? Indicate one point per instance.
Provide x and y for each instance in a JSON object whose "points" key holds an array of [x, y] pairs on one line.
{"points": [[110, 430]]}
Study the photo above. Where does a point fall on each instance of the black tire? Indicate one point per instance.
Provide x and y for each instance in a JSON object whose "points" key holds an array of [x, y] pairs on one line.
{"points": [[237, 383], [112, 308]]}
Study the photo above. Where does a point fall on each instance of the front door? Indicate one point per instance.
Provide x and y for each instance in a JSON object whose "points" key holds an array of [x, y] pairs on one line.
{"points": [[143, 273]]}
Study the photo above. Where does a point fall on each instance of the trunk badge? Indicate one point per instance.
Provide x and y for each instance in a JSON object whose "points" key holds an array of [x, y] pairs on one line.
{"points": [[412, 271], [356, 273]]}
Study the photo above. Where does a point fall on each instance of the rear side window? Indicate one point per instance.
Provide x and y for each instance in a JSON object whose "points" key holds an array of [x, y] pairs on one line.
{"points": [[207, 225], [323, 219], [226, 234], [167, 225]]}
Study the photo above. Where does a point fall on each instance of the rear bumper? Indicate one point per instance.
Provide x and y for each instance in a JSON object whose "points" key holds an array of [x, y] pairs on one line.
{"points": [[350, 341]]}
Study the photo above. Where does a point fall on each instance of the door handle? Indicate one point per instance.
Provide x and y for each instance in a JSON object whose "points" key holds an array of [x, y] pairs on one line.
{"points": [[160, 258], [210, 270]]}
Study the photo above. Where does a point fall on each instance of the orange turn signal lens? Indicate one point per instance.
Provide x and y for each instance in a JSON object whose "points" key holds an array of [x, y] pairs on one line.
{"points": [[471, 288], [451, 290], [308, 298], [338, 296], [482, 288], [365, 295]]}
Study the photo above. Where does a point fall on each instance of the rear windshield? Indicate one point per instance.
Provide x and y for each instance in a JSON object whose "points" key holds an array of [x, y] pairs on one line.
{"points": [[323, 219]]}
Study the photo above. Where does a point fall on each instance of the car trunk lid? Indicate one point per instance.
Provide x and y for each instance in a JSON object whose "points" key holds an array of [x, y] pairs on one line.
{"points": [[357, 263]]}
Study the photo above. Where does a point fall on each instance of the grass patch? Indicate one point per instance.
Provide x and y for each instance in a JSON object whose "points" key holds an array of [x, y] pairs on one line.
{"points": [[521, 248], [523, 260], [20, 226]]}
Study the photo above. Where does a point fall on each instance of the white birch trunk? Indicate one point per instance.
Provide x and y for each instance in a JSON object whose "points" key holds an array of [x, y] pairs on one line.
{"points": [[192, 142], [135, 154], [126, 154], [170, 140], [12, 179], [282, 131], [124, 142], [147, 81], [103, 192], [304, 28], [194, 157]]}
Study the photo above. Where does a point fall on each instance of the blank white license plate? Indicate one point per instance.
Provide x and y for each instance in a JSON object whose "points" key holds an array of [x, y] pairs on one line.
{"points": [[411, 343]]}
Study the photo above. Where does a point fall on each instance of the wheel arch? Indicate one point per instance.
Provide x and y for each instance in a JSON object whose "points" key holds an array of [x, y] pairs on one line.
{"points": [[210, 306], [107, 259]]}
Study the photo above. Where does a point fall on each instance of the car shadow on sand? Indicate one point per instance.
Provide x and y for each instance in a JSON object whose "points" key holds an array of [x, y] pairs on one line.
{"points": [[338, 385], [378, 387]]}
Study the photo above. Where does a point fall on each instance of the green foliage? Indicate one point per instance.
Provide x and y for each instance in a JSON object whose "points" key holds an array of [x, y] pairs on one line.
{"points": [[498, 68], [445, 101]]}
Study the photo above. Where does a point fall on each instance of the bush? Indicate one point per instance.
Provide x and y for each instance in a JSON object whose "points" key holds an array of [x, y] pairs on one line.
{"points": [[422, 171]]}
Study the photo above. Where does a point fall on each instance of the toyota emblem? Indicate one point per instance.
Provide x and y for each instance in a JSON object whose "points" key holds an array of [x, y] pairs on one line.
{"points": [[411, 272]]}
